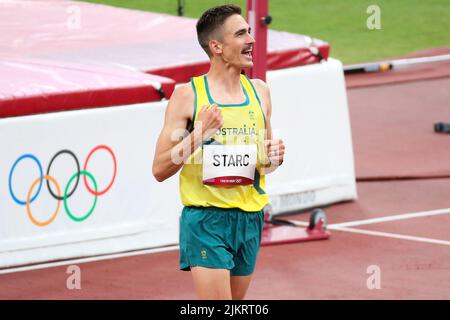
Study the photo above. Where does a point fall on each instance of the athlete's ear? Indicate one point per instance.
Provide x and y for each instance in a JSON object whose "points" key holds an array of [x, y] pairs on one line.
{"points": [[215, 46]]}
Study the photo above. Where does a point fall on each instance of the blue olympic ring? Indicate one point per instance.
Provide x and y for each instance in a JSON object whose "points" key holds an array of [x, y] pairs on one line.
{"points": [[32, 157]]}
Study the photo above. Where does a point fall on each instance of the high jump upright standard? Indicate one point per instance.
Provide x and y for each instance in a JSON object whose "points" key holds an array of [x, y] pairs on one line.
{"points": [[258, 19], [277, 231]]}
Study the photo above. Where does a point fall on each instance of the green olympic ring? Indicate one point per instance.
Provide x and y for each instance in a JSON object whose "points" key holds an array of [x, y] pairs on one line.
{"points": [[71, 216]]}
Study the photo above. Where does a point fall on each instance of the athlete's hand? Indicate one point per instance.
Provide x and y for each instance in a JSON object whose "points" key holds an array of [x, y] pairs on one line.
{"points": [[210, 120], [275, 151]]}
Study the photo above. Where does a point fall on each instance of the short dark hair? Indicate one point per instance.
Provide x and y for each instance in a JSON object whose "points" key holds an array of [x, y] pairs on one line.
{"points": [[211, 20]]}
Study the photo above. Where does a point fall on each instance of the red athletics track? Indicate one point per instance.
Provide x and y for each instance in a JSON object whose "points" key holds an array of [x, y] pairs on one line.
{"points": [[403, 168]]}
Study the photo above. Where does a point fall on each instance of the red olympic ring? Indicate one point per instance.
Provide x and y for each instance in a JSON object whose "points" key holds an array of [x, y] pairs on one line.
{"points": [[99, 193]]}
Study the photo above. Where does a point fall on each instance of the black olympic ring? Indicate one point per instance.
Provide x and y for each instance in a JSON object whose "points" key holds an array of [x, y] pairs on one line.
{"points": [[78, 175]]}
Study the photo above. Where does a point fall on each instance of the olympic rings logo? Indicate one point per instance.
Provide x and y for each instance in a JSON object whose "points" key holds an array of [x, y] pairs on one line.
{"points": [[85, 173]]}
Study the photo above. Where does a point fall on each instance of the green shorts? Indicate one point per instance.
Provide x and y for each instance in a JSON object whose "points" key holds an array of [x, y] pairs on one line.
{"points": [[213, 237]]}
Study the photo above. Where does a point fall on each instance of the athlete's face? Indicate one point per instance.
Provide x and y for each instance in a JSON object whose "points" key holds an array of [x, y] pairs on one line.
{"points": [[236, 43]]}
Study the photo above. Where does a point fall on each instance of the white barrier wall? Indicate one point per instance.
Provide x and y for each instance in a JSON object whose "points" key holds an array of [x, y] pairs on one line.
{"points": [[310, 114], [135, 212], [115, 146]]}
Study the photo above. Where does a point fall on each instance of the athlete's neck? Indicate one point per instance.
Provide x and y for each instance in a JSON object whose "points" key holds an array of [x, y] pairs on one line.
{"points": [[224, 76]]}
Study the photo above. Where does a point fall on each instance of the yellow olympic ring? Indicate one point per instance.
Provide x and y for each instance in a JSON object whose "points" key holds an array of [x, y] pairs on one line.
{"points": [[33, 220]]}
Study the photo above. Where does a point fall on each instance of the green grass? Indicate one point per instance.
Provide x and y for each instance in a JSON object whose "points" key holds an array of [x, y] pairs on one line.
{"points": [[406, 25]]}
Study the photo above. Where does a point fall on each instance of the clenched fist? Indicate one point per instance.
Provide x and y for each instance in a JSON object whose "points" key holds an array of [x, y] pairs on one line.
{"points": [[275, 151], [210, 120]]}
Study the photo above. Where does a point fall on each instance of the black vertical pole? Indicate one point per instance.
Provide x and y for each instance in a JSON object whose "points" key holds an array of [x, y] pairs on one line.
{"points": [[181, 8]]}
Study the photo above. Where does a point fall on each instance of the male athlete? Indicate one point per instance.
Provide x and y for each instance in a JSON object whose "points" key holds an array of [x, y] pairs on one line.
{"points": [[225, 116]]}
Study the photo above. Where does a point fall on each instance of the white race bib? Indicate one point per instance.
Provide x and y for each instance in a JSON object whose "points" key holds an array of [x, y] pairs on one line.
{"points": [[229, 164]]}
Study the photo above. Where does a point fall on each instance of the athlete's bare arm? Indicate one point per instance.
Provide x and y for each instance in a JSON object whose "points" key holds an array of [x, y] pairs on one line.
{"points": [[174, 144], [275, 147]]}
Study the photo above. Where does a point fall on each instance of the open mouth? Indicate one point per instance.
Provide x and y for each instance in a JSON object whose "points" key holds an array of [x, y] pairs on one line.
{"points": [[247, 52]]}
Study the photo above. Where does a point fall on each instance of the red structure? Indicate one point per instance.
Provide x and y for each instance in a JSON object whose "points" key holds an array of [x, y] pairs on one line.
{"points": [[258, 19]]}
